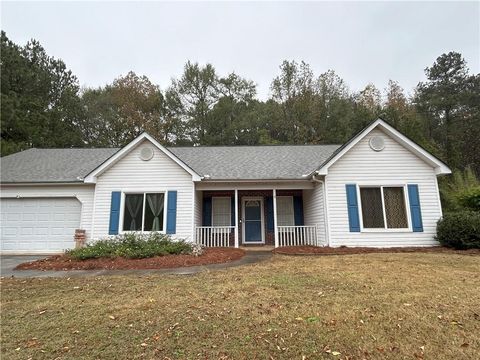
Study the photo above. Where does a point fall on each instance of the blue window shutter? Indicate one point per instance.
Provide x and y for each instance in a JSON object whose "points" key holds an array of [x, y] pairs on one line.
{"points": [[352, 204], [415, 211], [207, 211], [269, 201], [172, 212], [298, 210], [114, 213], [232, 210]]}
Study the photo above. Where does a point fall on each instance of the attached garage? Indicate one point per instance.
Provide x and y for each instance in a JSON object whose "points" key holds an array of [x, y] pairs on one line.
{"points": [[43, 198], [38, 225]]}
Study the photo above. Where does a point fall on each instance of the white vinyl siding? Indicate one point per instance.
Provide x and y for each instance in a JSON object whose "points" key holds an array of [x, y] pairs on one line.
{"points": [[285, 215], [131, 174], [197, 218], [314, 210], [393, 166], [221, 211]]}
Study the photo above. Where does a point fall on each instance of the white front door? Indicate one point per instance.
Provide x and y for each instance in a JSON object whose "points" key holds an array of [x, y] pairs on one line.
{"points": [[253, 229]]}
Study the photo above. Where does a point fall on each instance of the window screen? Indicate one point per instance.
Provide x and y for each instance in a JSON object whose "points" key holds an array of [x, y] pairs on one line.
{"points": [[372, 208], [285, 215], [395, 210], [221, 211]]}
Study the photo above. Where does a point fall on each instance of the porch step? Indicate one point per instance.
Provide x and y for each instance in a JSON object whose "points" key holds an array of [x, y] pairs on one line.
{"points": [[257, 248]]}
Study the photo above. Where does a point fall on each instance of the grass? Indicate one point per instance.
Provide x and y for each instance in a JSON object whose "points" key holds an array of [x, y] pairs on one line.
{"points": [[374, 306]]}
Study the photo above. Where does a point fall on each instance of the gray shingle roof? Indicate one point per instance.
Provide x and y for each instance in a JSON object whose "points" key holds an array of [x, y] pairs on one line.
{"points": [[254, 162], [220, 162], [51, 165]]}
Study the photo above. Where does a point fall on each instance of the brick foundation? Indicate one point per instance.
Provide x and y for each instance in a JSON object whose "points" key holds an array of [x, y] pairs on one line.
{"points": [[80, 238]]}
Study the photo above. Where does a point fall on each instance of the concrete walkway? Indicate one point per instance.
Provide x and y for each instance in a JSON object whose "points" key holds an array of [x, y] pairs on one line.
{"points": [[8, 263]]}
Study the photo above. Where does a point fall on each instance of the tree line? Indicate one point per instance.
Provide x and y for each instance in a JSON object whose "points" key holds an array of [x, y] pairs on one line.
{"points": [[44, 106]]}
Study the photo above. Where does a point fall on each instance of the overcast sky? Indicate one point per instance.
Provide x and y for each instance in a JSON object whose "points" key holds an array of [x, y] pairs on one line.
{"points": [[363, 41]]}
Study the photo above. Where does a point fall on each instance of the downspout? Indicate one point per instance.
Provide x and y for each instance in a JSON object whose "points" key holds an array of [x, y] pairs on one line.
{"points": [[325, 202]]}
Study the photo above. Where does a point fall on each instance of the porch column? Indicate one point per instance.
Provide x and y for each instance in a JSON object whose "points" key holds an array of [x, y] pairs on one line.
{"points": [[236, 218], [275, 231]]}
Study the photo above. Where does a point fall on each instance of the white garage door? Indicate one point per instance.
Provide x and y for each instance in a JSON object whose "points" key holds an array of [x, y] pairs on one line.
{"points": [[38, 225]]}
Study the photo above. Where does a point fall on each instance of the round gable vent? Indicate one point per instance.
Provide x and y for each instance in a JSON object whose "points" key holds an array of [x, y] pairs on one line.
{"points": [[146, 153], [377, 143]]}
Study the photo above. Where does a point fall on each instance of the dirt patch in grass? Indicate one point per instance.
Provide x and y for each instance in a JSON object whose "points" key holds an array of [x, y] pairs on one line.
{"points": [[317, 250], [65, 262]]}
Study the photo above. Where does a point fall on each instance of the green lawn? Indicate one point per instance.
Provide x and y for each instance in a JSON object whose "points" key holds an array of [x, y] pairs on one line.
{"points": [[334, 307]]}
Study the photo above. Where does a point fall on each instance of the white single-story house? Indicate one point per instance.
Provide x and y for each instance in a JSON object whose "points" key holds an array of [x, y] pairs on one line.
{"points": [[379, 190]]}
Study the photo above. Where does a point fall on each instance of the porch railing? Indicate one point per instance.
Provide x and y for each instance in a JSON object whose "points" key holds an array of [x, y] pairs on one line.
{"points": [[297, 235], [214, 236]]}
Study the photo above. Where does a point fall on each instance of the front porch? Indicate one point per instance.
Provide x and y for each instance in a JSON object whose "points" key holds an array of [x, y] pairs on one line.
{"points": [[247, 218]]}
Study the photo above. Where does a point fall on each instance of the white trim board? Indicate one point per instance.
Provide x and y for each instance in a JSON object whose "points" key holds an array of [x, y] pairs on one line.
{"points": [[257, 185]]}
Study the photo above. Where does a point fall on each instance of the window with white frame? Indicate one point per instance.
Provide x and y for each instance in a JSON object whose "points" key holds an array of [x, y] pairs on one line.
{"points": [[285, 213], [383, 207], [144, 212], [221, 211]]}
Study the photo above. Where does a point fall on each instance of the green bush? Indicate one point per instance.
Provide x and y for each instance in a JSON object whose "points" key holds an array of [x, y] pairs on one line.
{"points": [[132, 246], [455, 188], [460, 230], [470, 198]]}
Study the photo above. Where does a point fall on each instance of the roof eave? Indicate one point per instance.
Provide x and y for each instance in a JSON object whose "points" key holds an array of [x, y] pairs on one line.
{"points": [[23, 183], [253, 180]]}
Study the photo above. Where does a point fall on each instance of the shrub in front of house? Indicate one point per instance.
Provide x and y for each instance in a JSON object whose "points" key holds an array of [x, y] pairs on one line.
{"points": [[134, 246], [470, 198], [460, 230]]}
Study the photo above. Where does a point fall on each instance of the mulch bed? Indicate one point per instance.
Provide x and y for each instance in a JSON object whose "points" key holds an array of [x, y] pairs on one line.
{"points": [[315, 250], [65, 262]]}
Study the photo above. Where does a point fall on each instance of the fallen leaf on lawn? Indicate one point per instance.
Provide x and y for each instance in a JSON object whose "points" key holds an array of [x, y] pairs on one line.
{"points": [[143, 344], [464, 345], [336, 353]]}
